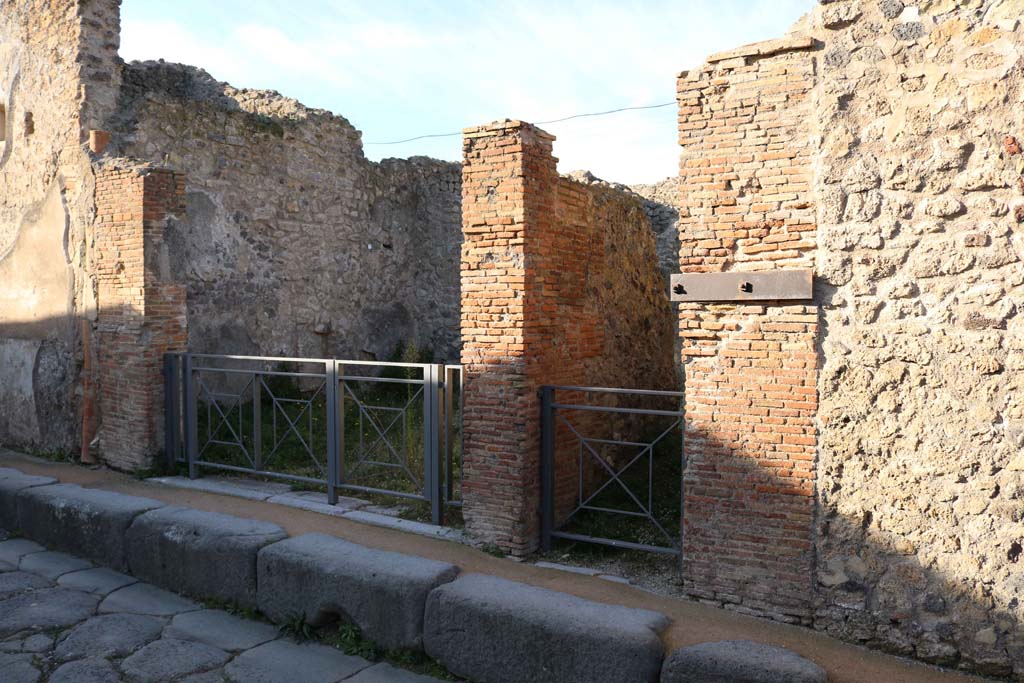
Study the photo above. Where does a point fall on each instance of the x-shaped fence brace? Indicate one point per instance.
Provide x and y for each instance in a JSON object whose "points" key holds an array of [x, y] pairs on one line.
{"points": [[648, 449], [363, 456], [293, 424], [224, 421]]}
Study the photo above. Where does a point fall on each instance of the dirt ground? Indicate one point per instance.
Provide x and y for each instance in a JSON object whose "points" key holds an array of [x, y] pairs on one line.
{"points": [[691, 622]]}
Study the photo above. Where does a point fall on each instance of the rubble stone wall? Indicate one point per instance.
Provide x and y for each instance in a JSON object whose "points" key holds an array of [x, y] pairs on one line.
{"points": [[920, 198], [294, 243]]}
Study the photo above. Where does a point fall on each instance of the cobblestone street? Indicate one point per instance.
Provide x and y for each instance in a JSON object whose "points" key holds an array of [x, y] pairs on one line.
{"points": [[62, 620]]}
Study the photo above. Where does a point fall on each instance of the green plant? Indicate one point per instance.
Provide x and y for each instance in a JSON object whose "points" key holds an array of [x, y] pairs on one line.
{"points": [[350, 640], [296, 628], [493, 549]]}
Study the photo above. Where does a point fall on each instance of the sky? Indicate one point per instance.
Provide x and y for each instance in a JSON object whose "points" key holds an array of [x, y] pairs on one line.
{"points": [[397, 69]]}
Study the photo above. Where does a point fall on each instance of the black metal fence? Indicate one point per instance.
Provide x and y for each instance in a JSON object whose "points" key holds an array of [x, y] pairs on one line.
{"points": [[612, 465], [379, 428]]}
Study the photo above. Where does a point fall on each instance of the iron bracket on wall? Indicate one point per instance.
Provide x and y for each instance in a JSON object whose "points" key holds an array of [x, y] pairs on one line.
{"points": [[772, 285]]}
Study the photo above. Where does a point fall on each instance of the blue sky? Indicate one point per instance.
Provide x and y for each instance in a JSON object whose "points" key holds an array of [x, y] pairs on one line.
{"points": [[397, 69]]}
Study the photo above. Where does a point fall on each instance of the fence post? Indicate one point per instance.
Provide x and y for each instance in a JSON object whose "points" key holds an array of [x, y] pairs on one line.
{"points": [[331, 394], [191, 428], [449, 383], [432, 375], [257, 421], [547, 466], [172, 409]]}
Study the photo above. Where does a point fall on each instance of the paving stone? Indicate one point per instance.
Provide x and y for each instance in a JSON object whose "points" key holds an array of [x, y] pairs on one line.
{"points": [[37, 642], [323, 577], [92, 670], [19, 582], [109, 635], [199, 553], [282, 661], [143, 598], [13, 550], [11, 482], [18, 668], [90, 523], [739, 661], [494, 630], [168, 658], [215, 676], [99, 580], [45, 609], [52, 565], [220, 629], [7, 567], [385, 673]]}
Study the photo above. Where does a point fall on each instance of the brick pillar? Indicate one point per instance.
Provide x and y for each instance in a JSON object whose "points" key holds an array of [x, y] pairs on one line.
{"points": [[750, 370], [141, 314], [509, 179]]}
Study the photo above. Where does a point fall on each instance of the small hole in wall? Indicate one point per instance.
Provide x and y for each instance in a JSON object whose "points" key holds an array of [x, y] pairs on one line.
{"points": [[1015, 550], [30, 124], [3, 123]]}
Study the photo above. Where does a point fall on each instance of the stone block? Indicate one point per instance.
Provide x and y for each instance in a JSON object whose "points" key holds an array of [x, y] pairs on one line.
{"points": [[492, 630], [11, 482], [323, 577], [86, 522], [199, 553], [739, 661]]}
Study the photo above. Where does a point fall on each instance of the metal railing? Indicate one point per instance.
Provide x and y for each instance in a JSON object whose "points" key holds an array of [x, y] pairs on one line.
{"points": [[610, 440], [380, 428]]}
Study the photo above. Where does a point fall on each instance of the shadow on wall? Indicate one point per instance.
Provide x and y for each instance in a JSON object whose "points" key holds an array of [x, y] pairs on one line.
{"points": [[886, 596], [40, 385]]}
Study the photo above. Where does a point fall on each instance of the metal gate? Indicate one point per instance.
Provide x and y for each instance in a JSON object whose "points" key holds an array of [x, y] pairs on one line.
{"points": [[382, 428], [609, 455]]}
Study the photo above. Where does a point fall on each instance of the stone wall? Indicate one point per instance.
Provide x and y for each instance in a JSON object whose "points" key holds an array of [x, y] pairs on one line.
{"points": [[903, 157], [328, 254], [559, 286], [57, 69], [921, 425]]}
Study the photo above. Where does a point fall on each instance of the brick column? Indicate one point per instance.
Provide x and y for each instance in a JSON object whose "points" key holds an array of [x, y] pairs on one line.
{"points": [[508, 181], [751, 371], [141, 314]]}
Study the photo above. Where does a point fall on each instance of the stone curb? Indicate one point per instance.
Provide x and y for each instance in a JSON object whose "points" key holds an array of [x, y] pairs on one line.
{"points": [[11, 482], [485, 628], [198, 553], [323, 577], [90, 523], [491, 630], [739, 660]]}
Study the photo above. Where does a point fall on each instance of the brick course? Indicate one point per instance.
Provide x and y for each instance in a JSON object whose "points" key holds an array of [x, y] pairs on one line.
{"points": [[559, 286], [141, 312], [750, 370]]}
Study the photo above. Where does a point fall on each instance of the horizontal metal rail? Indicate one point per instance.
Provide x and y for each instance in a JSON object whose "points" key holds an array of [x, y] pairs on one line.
{"points": [[628, 545], [278, 373], [612, 390], [610, 409]]}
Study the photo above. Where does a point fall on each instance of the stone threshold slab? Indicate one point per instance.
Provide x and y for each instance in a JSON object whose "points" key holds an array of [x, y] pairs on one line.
{"points": [[352, 509]]}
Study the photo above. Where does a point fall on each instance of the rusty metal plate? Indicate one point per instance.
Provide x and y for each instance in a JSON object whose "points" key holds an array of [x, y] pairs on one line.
{"points": [[772, 285]]}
